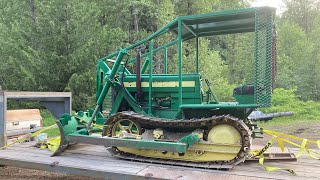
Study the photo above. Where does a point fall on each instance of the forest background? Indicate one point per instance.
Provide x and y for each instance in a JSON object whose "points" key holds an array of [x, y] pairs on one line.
{"points": [[55, 45]]}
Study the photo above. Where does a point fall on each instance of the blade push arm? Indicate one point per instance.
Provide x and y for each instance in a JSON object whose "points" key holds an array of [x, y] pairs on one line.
{"points": [[106, 87]]}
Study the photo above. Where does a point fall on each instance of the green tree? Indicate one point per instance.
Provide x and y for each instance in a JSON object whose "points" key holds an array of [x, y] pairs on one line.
{"points": [[298, 62], [303, 12]]}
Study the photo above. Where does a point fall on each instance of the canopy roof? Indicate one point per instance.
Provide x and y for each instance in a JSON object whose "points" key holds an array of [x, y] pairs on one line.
{"points": [[217, 23], [210, 24]]}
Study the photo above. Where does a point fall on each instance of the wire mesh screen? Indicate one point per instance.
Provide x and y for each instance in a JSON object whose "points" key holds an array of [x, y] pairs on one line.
{"points": [[263, 56]]}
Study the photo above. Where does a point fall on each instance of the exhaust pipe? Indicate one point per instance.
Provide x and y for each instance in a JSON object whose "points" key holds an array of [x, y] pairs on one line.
{"points": [[138, 75]]}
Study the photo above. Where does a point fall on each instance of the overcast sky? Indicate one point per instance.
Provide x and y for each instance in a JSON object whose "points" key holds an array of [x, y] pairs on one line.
{"points": [[273, 3]]}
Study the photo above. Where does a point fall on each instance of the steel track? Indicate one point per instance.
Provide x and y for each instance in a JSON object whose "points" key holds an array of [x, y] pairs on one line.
{"points": [[147, 122]]}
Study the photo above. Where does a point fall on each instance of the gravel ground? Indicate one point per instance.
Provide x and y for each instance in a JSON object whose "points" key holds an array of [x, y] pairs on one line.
{"points": [[301, 129], [13, 173]]}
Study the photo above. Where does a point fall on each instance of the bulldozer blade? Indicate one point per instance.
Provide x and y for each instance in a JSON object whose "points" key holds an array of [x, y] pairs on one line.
{"points": [[63, 141]]}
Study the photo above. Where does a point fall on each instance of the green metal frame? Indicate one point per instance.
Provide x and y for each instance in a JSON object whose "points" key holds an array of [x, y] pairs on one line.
{"points": [[183, 89], [187, 27]]}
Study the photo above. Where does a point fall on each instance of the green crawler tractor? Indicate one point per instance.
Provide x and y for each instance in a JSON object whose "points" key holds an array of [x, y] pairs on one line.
{"points": [[168, 118]]}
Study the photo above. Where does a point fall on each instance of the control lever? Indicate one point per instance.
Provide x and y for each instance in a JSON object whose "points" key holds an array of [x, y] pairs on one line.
{"points": [[210, 94]]}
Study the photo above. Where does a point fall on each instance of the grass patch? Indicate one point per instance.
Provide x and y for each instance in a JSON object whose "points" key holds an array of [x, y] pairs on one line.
{"points": [[284, 100], [47, 120], [288, 120]]}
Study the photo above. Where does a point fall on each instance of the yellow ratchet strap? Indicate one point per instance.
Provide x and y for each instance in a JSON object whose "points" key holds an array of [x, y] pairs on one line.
{"points": [[53, 144], [281, 138], [24, 137], [93, 124], [303, 147], [259, 153]]}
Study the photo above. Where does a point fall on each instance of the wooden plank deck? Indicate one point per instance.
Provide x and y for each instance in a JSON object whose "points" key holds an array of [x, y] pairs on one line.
{"points": [[95, 161]]}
